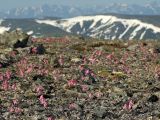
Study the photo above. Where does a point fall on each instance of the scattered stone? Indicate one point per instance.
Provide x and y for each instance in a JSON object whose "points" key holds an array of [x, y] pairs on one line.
{"points": [[157, 50], [36, 77], [76, 60], [132, 47], [153, 98], [5, 61], [4, 64], [38, 50], [24, 105], [104, 114], [155, 89], [29, 94], [56, 63], [144, 44], [100, 112], [129, 93]]}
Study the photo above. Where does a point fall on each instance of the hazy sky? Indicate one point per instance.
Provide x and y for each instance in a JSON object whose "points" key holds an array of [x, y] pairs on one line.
{"points": [[6, 4]]}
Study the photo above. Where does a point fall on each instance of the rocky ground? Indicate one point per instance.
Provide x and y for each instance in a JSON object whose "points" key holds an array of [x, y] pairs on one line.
{"points": [[79, 79]]}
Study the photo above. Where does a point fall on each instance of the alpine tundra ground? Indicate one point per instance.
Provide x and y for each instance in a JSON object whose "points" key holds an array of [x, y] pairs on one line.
{"points": [[80, 79]]}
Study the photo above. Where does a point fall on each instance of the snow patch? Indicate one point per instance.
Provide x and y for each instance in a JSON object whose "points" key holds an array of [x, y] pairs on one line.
{"points": [[30, 32], [4, 29], [142, 36]]}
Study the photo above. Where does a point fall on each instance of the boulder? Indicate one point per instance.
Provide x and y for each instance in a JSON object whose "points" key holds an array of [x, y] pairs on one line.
{"points": [[15, 39]]}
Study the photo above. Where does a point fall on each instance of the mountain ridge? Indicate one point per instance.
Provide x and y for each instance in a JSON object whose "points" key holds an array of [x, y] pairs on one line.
{"points": [[108, 27], [101, 26]]}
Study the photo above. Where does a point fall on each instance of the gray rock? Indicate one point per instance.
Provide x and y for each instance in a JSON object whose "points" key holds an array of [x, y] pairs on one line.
{"points": [[132, 47], [15, 39], [100, 112]]}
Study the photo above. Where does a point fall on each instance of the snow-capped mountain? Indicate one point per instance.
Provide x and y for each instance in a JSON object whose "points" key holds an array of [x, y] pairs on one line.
{"points": [[106, 27], [62, 11], [110, 27]]}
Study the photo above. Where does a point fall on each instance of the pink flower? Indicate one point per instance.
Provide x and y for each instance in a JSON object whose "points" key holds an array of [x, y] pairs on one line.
{"points": [[15, 109], [43, 101], [46, 72], [84, 88], [157, 72], [14, 86], [98, 94], [128, 105], [39, 90], [1, 77], [0, 65], [72, 106], [93, 75], [81, 67], [92, 60], [33, 39], [84, 60], [45, 61], [72, 83], [21, 72], [128, 71], [15, 102], [90, 96], [29, 69], [50, 118], [8, 74], [83, 78], [5, 85], [34, 50], [23, 61], [18, 110], [45, 104], [98, 52], [110, 56], [11, 109], [157, 76], [87, 72], [13, 53], [61, 61]]}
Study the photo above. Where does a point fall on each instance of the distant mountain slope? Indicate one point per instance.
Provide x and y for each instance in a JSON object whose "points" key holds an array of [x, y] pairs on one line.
{"points": [[31, 27], [107, 27]]}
